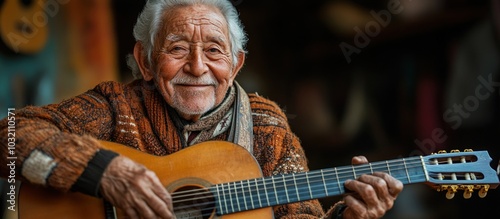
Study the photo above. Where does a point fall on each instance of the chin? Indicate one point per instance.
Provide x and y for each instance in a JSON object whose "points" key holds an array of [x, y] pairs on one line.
{"points": [[196, 108]]}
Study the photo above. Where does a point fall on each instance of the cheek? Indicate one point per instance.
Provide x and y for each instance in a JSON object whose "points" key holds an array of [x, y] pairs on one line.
{"points": [[222, 72], [223, 75], [164, 73], [166, 69]]}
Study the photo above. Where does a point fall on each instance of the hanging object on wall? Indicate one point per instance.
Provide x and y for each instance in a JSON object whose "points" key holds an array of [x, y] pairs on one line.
{"points": [[23, 25]]}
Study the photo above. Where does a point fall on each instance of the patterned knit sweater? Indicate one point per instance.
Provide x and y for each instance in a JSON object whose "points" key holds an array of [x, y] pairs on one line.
{"points": [[55, 143]]}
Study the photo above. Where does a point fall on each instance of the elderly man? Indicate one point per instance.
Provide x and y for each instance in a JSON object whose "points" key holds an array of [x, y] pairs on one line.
{"points": [[186, 58]]}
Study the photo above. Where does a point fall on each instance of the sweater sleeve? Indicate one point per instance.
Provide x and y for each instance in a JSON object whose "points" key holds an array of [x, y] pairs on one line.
{"points": [[55, 143]]}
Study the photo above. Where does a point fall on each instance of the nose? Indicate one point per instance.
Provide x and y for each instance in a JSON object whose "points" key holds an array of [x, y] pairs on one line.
{"points": [[196, 64]]}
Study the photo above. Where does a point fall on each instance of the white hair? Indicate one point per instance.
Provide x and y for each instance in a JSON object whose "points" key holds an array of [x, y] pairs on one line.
{"points": [[150, 20]]}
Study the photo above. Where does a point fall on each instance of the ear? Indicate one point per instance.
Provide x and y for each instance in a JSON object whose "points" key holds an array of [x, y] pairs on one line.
{"points": [[239, 65], [142, 61]]}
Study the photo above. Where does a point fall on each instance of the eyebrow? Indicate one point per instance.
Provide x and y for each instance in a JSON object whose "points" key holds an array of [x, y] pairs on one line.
{"points": [[176, 37]]}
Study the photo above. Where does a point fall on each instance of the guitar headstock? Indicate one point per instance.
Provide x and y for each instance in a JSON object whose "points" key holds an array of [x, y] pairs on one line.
{"points": [[468, 171]]}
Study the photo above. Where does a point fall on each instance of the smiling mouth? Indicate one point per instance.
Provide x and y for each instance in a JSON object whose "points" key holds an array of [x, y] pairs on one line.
{"points": [[194, 86]]}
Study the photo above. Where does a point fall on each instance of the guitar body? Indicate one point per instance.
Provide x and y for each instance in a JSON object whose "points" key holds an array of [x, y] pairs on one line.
{"points": [[198, 166], [23, 25]]}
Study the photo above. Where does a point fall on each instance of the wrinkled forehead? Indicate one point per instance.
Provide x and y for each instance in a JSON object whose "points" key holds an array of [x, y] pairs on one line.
{"points": [[185, 18]]}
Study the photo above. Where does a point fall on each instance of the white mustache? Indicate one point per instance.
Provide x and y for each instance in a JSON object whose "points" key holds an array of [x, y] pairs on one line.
{"points": [[205, 79]]}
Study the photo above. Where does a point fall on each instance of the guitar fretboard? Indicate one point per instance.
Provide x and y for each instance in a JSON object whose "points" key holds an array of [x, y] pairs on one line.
{"points": [[283, 189]]}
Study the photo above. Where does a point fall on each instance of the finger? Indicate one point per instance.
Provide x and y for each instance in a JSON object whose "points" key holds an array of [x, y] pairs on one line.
{"points": [[131, 213], [359, 160], [162, 193], [143, 209], [158, 197], [383, 198], [355, 209], [160, 207], [394, 185], [363, 188]]}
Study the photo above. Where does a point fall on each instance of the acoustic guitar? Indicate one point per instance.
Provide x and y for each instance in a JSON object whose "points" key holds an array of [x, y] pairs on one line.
{"points": [[24, 25], [218, 179]]}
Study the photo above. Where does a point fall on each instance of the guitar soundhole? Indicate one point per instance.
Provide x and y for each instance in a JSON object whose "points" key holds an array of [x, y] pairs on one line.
{"points": [[193, 202]]}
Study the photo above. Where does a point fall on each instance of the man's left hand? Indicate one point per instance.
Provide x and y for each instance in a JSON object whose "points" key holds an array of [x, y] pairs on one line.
{"points": [[373, 195]]}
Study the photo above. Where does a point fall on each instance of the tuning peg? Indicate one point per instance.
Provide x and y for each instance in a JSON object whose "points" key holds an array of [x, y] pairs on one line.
{"points": [[467, 150], [442, 152], [450, 194], [468, 190], [454, 151], [483, 191], [451, 191]]}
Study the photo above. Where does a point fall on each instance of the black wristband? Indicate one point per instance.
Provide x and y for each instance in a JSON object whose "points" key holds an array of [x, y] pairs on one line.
{"points": [[90, 180]]}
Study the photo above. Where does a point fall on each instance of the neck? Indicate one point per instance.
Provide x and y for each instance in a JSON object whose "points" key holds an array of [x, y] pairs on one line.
{"points": [[189, 117]]}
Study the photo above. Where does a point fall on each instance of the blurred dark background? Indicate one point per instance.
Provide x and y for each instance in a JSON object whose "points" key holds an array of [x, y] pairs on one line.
{"points": [[382, 78]]}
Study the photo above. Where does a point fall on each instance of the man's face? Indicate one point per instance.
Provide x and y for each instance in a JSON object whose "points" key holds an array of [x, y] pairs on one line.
{"points": [[192, 62]]}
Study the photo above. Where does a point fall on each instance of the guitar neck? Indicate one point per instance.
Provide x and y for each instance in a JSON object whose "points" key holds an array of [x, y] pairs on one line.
{"points": [[283, 189]]}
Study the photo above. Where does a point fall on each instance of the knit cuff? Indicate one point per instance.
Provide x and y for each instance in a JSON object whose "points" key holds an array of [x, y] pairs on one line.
{"points": [[336, 211], [90, 180]]}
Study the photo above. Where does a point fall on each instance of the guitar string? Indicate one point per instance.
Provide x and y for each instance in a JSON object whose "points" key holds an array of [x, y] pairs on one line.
{"points": [[284, 182], [314, 188], [238, 195], [210, 206], [340, 171]]}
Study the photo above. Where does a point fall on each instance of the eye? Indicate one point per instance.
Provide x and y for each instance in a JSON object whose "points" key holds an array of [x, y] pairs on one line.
{"points": [[178, 50], [214, 50]]}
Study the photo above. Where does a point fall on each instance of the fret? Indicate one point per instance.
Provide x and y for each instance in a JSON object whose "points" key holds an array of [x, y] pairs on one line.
{"points": [[258, 193], [318, 184], [219, 199], [354, 172], [296, 188], [308, 185], [424, 169], [338, 180], [236, 195], [265, 190], [225, 199], [230, 196], [324, 182], [275, 192], [300, 182], [285, 188], [406, 170], [250, 193], [409, 170], [371, 168], [388, 168]]}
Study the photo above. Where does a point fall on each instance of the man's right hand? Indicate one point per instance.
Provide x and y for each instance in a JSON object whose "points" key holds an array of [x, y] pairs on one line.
{"points": [[136, 190]]}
